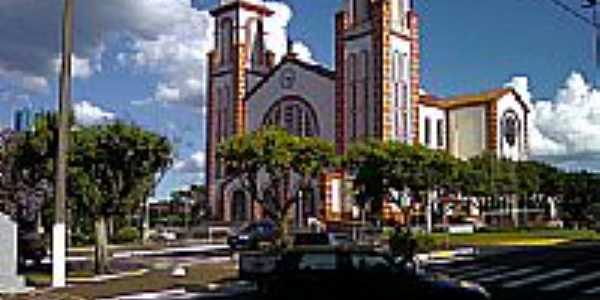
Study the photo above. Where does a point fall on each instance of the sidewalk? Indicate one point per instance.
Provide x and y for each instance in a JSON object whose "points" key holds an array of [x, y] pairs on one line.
{"points": [[155, 251]]}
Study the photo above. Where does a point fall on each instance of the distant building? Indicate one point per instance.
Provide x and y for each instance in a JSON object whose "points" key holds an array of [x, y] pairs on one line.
{"points": [[24, 119]]}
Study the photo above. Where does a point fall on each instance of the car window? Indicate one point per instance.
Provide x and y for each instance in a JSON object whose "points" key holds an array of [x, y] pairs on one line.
{"points": [[311, 239], [370, 262], [317, 261]]}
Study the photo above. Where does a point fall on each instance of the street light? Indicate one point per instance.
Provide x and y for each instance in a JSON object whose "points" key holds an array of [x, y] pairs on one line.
{"points": [[59, 229]]}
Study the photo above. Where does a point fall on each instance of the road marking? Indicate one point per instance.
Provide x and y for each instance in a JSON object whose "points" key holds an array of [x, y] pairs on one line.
{"points": [[483, 272], [537, 278], [571, 282], [591, 291], [467, 268], [518, 272]]}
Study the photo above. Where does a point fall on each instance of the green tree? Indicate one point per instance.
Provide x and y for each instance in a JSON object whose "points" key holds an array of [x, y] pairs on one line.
{"points": [[112, 167], [264, 162]]}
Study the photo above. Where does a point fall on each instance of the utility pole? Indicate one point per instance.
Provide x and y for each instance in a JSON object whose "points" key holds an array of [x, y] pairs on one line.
{"points": [[592, 4], [59, 270]]}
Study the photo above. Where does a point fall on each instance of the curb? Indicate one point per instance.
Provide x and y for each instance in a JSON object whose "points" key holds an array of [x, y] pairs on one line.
{"points": [[108, 277]]}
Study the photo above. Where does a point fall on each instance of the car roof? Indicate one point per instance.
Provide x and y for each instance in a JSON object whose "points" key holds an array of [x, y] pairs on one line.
{"points": [[333, 249]]}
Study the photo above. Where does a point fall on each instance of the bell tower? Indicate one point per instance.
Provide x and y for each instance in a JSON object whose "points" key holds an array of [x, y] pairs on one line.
{"points": [[238, 62], [378, 66]]}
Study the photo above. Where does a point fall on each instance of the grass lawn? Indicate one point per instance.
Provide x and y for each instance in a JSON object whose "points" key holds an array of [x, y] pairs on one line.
{"points": [[544, 237]]}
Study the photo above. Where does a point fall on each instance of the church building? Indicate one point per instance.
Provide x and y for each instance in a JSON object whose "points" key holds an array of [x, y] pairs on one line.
{"points": [[373, 92]]}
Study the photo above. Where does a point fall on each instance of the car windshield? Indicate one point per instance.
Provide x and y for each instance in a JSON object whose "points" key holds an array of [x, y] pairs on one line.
{"points": [[371, 262], [311, 239], [318, 262]]}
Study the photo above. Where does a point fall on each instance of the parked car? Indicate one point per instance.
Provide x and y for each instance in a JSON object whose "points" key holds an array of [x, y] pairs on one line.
{"points": [[250, 236], [164, 235], [357, 274], [303, 239], [32, 248]]}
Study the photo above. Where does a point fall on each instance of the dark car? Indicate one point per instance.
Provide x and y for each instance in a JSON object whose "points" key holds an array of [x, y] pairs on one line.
{"points": [[311, 239], [357, 274], [252, 235], [336, 239], [32, 248]]}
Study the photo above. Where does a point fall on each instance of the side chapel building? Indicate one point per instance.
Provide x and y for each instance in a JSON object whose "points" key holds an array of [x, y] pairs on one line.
{"points": [[373, 92]]}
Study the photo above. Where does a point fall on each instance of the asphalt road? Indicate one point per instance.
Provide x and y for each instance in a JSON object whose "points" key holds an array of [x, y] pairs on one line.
{"points": [[568, 272], [541, 273]]}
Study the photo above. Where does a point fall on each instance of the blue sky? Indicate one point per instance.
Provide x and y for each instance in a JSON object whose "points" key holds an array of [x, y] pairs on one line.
{"points": [[142, 60]]}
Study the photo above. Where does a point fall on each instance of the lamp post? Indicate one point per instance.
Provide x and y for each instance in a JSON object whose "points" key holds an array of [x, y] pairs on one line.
{"points": [[64, 110]]}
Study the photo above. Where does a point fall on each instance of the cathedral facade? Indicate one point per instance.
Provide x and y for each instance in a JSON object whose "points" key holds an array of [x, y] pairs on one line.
{"points": [[374, 92]]}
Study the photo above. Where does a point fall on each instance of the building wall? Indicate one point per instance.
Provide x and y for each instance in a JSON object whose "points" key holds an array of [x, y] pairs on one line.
{"points": [[317, 90], [510, 104], [434, 115], [468, 131]]}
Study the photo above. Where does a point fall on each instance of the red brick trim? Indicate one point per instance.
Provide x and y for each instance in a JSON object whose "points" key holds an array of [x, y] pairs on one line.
{"points": [[211, 137], [326, 185], [386, 70], [415, 70], [239, 88], [492, 123], [260, 9]]}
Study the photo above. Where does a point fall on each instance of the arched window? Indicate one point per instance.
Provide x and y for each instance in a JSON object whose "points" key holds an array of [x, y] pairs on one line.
{"points": [[366, 113], [254, 36], [295, 115], [353, 100], [226, 40], [218, 111]]}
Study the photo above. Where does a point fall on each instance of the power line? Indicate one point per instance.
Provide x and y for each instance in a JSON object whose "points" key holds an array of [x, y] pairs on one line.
{"points": [[574, 13]]}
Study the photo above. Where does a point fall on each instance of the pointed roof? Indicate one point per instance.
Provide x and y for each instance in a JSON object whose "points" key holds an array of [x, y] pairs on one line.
{"points": [[293, 59], [239, 4]]}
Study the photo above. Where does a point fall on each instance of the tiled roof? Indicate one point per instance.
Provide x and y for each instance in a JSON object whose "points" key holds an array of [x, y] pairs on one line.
{"points": [[470, 99]]}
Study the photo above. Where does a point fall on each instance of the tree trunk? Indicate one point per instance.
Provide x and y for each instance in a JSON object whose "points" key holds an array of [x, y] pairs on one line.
{"points": [[101, 249], [111, 227]]}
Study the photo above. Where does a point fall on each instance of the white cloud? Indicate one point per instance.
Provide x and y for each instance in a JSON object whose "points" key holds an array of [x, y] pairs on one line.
{"points": [[167, 93], [168, 38], [82, 68], [566, 129], [303, 51], [88, 114], [194, 164]]}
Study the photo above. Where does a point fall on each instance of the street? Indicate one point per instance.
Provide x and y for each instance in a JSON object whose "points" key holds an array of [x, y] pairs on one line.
{"points": [[558, 272], [568, 272]]}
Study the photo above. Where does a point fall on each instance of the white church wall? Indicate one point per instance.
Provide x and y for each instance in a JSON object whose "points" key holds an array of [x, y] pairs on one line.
{"points": [[400, 10], [435, 115], [319, 91], [467, 131], [401, 97], [507, 103]]}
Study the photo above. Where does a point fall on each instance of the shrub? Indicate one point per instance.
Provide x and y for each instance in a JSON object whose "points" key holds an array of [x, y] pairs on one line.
{"points": [[82, 239], [127, 235], [405, 243], [425, 243]]}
